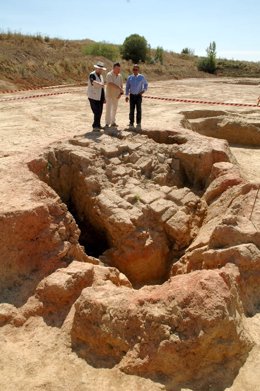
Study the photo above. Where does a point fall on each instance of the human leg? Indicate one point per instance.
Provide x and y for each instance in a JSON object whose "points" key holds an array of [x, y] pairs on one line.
{"points": [[138, 109], [108, 111], [114, 110], [101, 105], [132, 109], [96, 108]]}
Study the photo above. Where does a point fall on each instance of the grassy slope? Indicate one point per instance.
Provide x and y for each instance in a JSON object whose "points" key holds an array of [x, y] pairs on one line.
{"points": [[27, 61]]}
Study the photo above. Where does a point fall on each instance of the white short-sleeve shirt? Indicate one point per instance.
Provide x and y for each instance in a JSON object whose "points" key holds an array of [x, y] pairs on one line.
{"points": [[116, 79]]}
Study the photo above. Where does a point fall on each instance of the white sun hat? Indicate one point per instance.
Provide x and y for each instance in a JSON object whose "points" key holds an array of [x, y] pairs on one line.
{"points": [[100, 65]]}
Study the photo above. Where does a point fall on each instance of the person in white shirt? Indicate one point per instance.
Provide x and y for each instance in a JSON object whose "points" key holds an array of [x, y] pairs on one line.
{"points": [[114, 90]]}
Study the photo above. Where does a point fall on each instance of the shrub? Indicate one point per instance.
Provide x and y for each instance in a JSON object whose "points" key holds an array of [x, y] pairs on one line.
{"points": [[159, 55], [208, 64], [38, 37], [104, 49], [188, 51], [135, 48]]}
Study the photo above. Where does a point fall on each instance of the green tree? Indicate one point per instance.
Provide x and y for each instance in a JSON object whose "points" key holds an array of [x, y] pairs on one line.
{"points": [[135, 48], [209, 64]]}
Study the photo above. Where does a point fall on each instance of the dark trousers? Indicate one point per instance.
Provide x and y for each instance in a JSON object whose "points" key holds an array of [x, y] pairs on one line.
{"points": [[97, 108], [135, 102]]}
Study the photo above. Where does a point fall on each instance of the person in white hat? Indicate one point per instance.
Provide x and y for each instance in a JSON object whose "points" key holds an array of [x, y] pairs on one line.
{"points": [[96, 94]]}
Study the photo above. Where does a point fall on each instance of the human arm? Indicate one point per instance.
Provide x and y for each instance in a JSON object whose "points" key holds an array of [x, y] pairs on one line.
{"points": [[98, 84], [114, 85], [145, 86], [94, 82], [121, 89], [127, 89]]}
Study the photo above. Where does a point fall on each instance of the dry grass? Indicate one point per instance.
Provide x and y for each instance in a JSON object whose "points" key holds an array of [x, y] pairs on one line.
{"points": [[27, 61], [34, 60]]}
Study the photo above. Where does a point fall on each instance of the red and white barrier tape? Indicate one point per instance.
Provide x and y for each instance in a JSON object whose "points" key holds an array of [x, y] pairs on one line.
{"points": [[202, 102], [34, 96], [145, 96], [43, 88]]}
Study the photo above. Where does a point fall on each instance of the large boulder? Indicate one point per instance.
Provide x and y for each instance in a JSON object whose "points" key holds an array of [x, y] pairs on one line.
{"points": [[56, 293], [63, 287], [182, 331]]}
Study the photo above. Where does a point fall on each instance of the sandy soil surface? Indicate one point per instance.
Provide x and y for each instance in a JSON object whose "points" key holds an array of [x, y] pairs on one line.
{"points": [[37, 356], [28, 125]]}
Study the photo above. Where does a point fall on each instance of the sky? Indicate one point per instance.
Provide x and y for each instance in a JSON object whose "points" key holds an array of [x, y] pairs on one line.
{"points": [[172, 24]]}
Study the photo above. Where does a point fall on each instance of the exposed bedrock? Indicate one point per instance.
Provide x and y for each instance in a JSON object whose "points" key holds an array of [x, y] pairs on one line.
{"points": [[138, 196], [144, 201], [56, 293], [38, 234], [230, 232], [182, 332], [165, 207]]}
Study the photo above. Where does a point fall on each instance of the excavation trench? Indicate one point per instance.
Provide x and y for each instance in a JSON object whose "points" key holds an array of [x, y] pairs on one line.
{"points": [[138, 201], [238, 129], [116, 231], [93, 239], [131, 200], [133, 216]]}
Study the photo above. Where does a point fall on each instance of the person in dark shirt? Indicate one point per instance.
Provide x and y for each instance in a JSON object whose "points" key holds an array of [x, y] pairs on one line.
{"points": [[96, 94]]}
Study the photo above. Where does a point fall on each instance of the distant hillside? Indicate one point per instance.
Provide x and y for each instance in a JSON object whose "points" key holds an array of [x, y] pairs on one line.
{"points": [[27, 61]]}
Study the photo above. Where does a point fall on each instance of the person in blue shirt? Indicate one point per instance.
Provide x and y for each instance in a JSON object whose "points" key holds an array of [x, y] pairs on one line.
{"points": [[136, 85]]}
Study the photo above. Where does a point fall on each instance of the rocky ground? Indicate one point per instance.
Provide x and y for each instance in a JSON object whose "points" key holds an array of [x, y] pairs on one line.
{"points": [[175, 215]]}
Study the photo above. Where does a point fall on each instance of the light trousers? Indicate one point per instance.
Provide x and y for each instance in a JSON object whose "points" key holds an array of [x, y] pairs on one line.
{"points": [[111, 109]]}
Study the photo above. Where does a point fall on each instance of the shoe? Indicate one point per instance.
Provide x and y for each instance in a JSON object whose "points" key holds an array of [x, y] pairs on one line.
{"points": [[131, 126], [106, 126], [138, 127], [96, 130], [114, 125]]}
